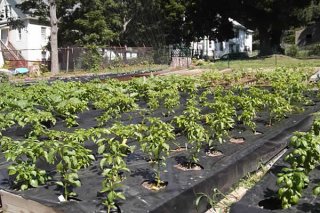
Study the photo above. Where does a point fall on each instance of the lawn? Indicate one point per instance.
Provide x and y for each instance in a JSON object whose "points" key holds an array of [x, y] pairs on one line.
{"points": [[266, 62]]}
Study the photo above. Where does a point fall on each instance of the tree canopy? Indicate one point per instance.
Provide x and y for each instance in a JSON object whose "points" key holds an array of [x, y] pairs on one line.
{"points": [[161, 22]]}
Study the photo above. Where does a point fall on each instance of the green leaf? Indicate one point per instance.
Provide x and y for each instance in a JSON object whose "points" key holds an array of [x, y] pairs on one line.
{"points": [[59, 183], [198, 199], [101, 149], [12, 171], [34, 183], [77, 183], [24, 187], [316, 190], [121, 196], [91, 157], [102, 162]]}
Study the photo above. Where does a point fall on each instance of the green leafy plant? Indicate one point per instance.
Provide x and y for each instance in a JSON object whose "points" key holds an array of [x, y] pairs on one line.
{"points": [[113, 164], [71, 156], [196, 133], [221, 120], [277, 106], [154, 142], [114, 104], [291, 182], [24, 155], [304, 157]]}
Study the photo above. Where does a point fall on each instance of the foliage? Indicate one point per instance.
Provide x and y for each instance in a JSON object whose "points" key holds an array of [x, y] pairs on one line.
{"points": [[4, 78], [292, 51], [211, 199], [113, 164], [154, 142], [215, 102], [71, 156], [92, 59], [221, 120], [304, 157], [196, 133], [24, 155]]}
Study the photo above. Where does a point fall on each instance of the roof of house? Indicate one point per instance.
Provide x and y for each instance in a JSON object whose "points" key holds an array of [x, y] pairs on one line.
{"points": [[13, 3], [238, 25], [19, 12]]}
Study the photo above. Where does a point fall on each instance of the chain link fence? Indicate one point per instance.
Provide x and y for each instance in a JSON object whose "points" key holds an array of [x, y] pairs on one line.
{"points": [[81, 58]]}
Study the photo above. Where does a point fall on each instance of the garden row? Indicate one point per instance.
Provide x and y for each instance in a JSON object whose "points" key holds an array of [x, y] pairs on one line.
{"points": [[45, 140], [292, 185], [293, 182]]}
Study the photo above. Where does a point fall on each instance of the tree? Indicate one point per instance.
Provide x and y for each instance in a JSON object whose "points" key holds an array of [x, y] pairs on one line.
{"points": [[92, 22], [270, 18], [82, 22], [207, 18], [54, 36], [52, 10]]}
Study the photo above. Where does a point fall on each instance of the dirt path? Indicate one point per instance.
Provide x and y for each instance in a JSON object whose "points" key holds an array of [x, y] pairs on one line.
{"points": [[124, 77]]}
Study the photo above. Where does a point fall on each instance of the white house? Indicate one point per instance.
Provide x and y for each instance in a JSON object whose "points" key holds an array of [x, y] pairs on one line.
{"points": [[242, 42], [26, 44]]}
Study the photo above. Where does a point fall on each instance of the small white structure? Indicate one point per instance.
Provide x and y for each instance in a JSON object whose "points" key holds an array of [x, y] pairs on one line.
{"points": [[25, 44], [242, 42]]}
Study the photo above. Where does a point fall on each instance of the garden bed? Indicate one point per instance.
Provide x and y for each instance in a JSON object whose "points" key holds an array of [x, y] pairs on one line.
{"points": [[263, 196], [82, 136], [219, 172]]}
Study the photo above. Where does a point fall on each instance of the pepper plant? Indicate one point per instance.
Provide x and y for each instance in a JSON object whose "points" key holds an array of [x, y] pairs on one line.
{"points": [[24, 155], [291, 182], [189, 121], [154, 142], [304, 157], [277, 106], [114, 150], [71, 156], [221, 120]]}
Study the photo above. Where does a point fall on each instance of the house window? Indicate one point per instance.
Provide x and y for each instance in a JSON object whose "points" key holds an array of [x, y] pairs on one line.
{"points": [[43, 34], [19, 37], [210, 44]]}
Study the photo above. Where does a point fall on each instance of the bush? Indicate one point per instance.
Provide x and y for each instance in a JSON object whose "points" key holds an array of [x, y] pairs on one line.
{"points": [[292, 51], [92, 59], [315, 50], [4, 77]]}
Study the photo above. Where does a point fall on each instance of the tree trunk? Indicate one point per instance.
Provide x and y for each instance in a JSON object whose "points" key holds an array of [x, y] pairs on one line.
{"points": [[265, 42], [276, 40], [54, 37]]}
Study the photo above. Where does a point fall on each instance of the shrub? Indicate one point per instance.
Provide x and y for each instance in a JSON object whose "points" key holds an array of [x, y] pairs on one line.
{"points": [[4, 77], [315, 50], [92, 59], [292, 51]]}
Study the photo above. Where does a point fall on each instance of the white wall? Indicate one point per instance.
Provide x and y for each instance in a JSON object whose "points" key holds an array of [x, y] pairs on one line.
{"points": [[35, 41], [20, 44], [248, 42], [243, 40]]}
